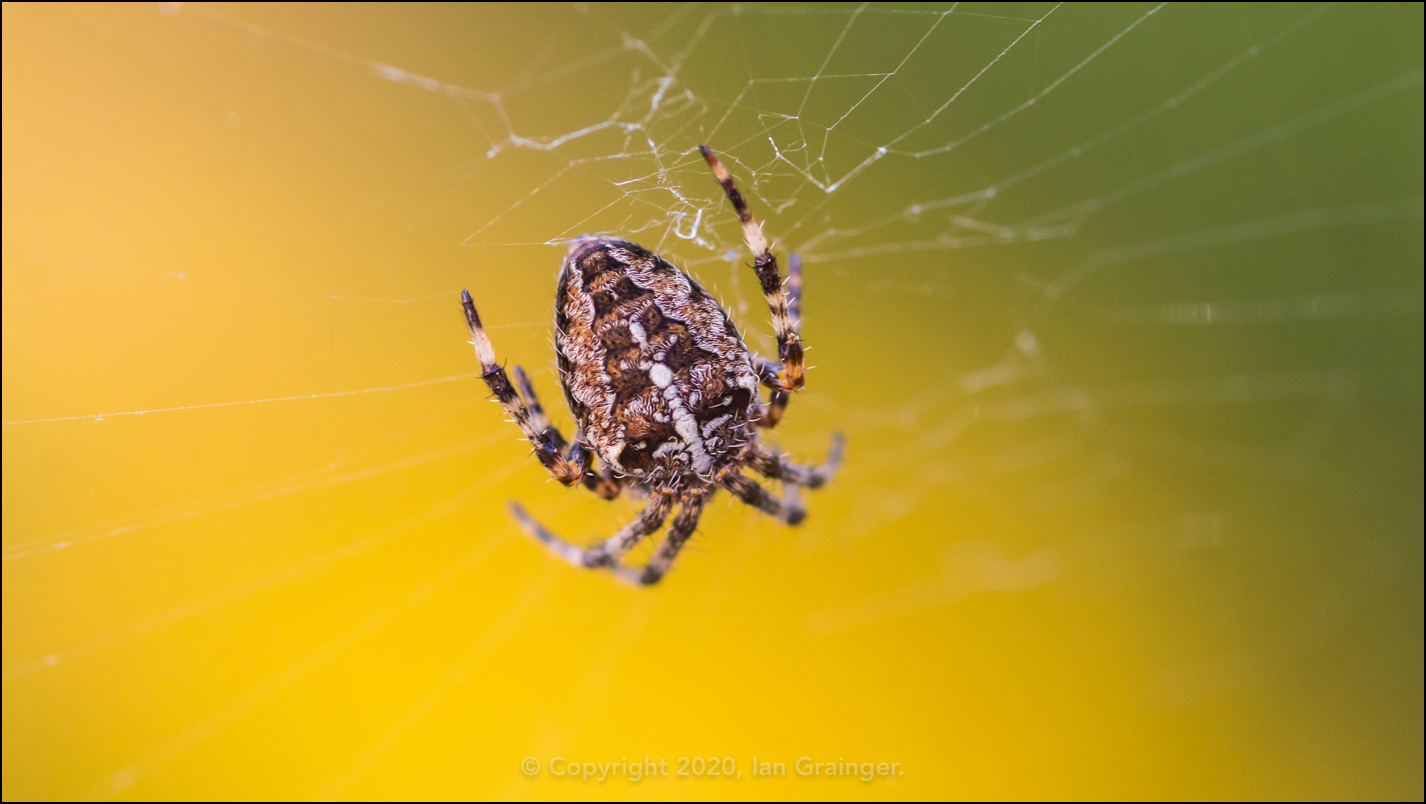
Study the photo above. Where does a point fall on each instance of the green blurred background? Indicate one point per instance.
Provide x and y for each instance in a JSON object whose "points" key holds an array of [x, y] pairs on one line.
{"points": [[1120, 307]]}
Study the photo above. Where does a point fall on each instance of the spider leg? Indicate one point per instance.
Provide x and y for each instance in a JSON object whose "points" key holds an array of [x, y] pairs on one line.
{"points": [[771, 465], [613, 549], [794, 290], [784, 323], [770, 414], [605, 483], [538, 419], [789, 510], [531, 420], [678, 535]]}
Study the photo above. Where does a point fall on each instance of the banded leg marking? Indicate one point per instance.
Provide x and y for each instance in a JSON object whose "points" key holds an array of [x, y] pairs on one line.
{"points": [[678, 535], [538, 419], [530, 419], [613, 549], [604, 483], [747, 490], [789, 342], [771, 414], [771, 465], [794, 291]]}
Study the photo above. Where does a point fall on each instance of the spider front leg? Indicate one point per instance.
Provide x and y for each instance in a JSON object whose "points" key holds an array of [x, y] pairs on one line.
{"points": [[605, 484], [532, 421], [771, 413], [613, 549], [789, 341], [794, 291], [538, 420], [768, 369]]}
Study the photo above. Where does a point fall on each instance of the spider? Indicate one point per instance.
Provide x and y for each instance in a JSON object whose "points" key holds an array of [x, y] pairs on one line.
{"points": [[664, 391]]}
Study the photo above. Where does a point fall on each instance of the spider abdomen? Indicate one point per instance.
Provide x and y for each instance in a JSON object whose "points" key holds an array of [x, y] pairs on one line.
{"points": [[654, 370]]}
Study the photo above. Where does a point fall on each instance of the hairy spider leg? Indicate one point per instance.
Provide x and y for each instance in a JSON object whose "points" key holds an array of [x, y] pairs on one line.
{"points": [[769, 415], [533, 423], [613, 549], [678, 535], [768, 370], [603, 483], [789, 341], [771, 465], [538, 419], [794, 291], [746, 489]]}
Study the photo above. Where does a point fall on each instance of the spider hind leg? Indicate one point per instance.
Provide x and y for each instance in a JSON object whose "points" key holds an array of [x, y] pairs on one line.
{"points": [[678, 535], [771, 465], [611, 550], [788, 510]]}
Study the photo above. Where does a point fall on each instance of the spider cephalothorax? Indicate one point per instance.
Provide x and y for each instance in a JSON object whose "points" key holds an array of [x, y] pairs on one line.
{"points": [[664, 391]]}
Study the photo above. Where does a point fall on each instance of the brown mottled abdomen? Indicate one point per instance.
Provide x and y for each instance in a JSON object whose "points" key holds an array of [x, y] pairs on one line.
{"points": [[654, 370]]}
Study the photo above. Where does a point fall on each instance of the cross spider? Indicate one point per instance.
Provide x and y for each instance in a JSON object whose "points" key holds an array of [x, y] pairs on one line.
{"points": [[664, 391]]}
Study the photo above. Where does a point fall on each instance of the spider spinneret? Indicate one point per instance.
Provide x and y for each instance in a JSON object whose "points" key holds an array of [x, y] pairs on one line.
{"points": [[664, 391]]}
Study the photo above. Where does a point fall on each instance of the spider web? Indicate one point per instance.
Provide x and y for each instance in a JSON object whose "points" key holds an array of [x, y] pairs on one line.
{"points": [[1048, 248]]}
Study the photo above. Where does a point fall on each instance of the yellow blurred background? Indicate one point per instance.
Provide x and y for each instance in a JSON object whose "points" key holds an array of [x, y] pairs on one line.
{"points": [[1120, 308]]}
